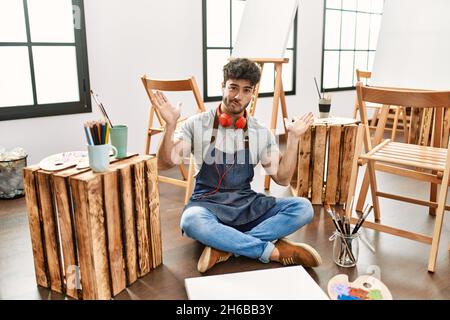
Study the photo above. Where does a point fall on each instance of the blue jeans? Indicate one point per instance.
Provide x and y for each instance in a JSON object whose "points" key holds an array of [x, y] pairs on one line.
{"points": [[291, 214]]}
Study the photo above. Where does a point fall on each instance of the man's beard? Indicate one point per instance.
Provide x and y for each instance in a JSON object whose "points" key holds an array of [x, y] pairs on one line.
{"points": [[230, 108]]}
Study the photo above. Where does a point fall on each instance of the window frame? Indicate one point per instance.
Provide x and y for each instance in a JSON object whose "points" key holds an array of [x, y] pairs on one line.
{"points": [[336, 89], [53, 109], [205, 49]]}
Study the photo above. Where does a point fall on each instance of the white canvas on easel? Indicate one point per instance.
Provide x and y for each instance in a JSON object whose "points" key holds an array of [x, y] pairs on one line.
{"points": [[288, 283], [264, 29], [263, 35], [413, 46]]}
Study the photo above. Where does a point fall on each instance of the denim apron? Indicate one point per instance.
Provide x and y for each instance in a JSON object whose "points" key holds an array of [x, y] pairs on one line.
{"points": [[234, 202]]}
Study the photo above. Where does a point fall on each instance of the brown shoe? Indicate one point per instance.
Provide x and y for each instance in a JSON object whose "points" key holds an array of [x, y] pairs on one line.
{"points": [[294, 253], [210, 257]]}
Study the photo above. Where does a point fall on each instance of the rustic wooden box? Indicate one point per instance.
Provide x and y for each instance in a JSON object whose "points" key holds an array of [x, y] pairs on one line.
{"points": [[324, 163], [103, 229]]}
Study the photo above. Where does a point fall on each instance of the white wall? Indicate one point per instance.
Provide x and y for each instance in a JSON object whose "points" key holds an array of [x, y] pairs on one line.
{"points": [[163, 39]]}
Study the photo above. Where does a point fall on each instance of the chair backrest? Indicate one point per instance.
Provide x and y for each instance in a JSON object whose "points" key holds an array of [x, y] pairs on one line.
{"points": [[360, 74], [188, 84], [417, 99]]}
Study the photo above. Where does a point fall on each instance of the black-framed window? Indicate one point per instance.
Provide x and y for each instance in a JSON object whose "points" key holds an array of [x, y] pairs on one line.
{"points": [[350, 36], [43, 59], [221, 19]]}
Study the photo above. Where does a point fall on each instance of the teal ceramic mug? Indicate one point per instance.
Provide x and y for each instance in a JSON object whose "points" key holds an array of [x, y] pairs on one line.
{"points": [[99, 156], [119, 138]]}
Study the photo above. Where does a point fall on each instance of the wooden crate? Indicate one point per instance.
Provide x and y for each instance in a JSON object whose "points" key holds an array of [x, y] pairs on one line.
{"points": [[94, 234], [324, 163]]}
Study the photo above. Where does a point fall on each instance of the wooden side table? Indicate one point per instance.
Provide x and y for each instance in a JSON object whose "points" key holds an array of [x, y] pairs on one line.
{"points": [[324, 161], [101, 227]]}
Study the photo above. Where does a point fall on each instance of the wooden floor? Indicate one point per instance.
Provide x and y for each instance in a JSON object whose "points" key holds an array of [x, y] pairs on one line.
{"points": [[402, 263]]}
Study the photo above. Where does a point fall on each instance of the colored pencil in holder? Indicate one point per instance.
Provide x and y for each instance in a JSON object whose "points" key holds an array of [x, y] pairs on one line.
{"points": [[93, 134], [96, 132], [88, 135], [107, 134]]}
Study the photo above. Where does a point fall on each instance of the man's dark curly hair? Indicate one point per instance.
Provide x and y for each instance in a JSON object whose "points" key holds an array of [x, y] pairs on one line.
{"points": [[242, 69]]}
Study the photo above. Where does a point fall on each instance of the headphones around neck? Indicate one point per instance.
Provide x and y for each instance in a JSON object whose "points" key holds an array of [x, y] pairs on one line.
{"points": [[225, 120]]}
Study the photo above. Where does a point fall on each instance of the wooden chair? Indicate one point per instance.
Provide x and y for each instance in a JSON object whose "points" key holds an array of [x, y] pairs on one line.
{"points": [[188, 84], [394, 111], [430, 164]]}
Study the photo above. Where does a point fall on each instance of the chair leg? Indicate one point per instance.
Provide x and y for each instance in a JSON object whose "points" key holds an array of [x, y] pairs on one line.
{"points": [[354, 172], [190, 180], [374, 189], [373, 122], [147, 144], [394, 126], [351, 193], [376, 140], [439, 217], [355, 110], [433, 196], [405, 125], [438, 224], [363, 192], [149, 133], [183, 171]]}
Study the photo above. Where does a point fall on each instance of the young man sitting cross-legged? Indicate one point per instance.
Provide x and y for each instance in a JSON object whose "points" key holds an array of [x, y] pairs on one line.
{"points": [[224, 213]]}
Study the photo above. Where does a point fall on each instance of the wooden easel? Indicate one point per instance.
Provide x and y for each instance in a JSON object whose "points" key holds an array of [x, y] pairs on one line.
{"points": [[278, 95]]}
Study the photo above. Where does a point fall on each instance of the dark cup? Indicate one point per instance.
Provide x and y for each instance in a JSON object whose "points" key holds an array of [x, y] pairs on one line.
{"points": [[324, 108]]}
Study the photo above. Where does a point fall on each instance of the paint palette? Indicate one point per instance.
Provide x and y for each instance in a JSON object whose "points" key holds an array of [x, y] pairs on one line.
{"points": [[69, 159], [363, 288], [63, 160]]}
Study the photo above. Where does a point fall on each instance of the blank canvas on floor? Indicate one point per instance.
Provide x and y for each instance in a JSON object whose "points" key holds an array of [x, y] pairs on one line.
{"points": [[288, 283]]}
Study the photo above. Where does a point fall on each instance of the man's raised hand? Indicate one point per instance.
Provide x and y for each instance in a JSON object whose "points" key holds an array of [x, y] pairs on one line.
{"points": [[299, 126], [169, 113]]}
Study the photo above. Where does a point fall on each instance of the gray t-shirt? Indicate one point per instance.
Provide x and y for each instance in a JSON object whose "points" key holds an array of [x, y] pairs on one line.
{"points": [[197, 131]]}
